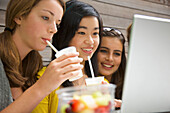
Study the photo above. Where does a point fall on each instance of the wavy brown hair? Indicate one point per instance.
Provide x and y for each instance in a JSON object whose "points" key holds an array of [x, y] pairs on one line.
{"points": [[19, 73], [118, 76]]}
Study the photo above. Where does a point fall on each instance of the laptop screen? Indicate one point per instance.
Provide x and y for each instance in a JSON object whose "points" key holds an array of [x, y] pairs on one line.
{"points": [[147, 78]]}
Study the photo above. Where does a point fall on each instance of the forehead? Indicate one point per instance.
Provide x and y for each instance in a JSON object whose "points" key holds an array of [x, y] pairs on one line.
{"points": [[111, 42], [50, 5], [89, 21]]}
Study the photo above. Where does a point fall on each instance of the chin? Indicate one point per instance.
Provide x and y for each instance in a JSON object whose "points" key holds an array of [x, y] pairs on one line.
{"points": [[41, 49], [105, 73], [84, 57]]}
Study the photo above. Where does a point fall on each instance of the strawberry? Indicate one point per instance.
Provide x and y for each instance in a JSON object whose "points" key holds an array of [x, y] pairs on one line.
{"points": [[76, 105], [102, 109]]}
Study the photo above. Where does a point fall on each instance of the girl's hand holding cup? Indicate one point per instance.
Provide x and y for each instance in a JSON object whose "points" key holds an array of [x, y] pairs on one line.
{"points": [[62, 68]]}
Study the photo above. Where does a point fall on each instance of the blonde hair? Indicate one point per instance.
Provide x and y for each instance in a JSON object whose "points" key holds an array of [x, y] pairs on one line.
{"points": [[19, 73]]}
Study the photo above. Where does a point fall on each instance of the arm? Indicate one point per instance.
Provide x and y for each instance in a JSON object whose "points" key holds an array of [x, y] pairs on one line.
{"points": [[27, 101], [57, 72]]}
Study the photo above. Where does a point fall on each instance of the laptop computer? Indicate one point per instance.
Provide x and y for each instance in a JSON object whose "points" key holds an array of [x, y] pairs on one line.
{"points": [[147, 76]]}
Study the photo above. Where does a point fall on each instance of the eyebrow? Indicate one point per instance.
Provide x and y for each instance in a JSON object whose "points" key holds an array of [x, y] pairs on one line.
{"points": [[86, 27], [108, 49], [49, 12], [118, 50], [104, 48]]}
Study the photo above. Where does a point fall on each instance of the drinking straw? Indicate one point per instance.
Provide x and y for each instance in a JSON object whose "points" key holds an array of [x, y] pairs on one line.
{"points": [[91, 69], [52, 46]]}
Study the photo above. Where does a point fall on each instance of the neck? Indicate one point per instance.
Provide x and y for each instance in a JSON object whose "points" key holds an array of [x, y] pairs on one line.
{"points": [[108, 77], [83, 63]]}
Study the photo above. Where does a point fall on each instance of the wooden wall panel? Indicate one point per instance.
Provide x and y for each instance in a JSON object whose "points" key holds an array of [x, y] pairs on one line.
{"points": [[1, 29], [163, 2], [3, 4], [139, 5], [46, 53], [121, 23], [2, 17], [121, 11]]}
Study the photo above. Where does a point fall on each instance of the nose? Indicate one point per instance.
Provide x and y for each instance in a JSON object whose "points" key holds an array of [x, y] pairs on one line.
{"points": [[89, 40], [109, 57], [53, 28]]}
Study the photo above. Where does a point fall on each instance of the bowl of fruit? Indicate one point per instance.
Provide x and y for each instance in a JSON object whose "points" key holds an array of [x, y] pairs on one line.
{"points": [[87, 99]]}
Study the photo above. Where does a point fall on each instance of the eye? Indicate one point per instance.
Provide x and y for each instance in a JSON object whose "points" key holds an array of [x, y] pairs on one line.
{"points": [[117, 54], [45, 18], [103, 51], [95, 33], [81, 33]]}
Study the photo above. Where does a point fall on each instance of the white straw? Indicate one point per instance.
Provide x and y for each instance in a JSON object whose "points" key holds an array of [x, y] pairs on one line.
{"points": [[91, 69], [52, 46]]}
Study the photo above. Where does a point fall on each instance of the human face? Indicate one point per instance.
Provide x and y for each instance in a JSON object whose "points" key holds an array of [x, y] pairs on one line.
{"points": [[109, 55], [86, 39], [38, 26]]}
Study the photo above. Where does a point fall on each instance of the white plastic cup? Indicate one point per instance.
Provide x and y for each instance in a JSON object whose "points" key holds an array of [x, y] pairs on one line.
{"points": [[71, 49], [94, 81]]}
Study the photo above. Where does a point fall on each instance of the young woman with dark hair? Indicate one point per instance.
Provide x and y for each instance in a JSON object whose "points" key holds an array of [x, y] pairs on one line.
{"points": [[112, 59], [81, 27]]}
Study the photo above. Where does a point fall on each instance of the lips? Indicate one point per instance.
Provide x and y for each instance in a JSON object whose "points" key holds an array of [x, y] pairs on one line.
{"points": [[107, 66], [44, 39], [87, 50]]}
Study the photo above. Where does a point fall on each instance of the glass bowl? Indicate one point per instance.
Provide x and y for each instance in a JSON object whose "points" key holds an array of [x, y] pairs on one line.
{"points": [[87, 99]]}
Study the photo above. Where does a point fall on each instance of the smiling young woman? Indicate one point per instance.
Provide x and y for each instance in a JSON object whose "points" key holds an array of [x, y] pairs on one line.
{"points": [[81, 27], [112, 59]]}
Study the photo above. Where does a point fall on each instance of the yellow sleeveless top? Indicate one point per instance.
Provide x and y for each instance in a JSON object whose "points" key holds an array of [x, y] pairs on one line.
{"points": [[50, 103]]}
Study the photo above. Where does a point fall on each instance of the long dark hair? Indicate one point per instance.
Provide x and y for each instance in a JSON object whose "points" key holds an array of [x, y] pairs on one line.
{"points": [[75, 11], [118, 76]]}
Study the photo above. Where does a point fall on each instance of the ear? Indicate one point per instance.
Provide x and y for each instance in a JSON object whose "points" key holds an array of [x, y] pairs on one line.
{"points": [[18, 20]]}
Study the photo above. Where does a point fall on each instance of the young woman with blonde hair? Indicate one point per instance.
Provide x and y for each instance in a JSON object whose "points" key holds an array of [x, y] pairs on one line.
{"points": [[29, 23]]}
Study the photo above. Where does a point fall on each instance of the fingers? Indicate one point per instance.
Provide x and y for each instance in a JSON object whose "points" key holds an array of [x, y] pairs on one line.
{"points": [[67, 55], [59, 70], [66, 61], [71, 67], [72, 60], [118, 103], [71, 74]]}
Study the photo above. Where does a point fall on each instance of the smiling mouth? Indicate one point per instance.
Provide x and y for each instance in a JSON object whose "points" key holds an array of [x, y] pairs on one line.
{"points": [[87, 50], [107, 66]]}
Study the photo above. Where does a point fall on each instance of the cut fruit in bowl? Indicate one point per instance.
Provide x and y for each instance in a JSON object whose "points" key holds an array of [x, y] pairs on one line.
{"points": [[87, 99]]}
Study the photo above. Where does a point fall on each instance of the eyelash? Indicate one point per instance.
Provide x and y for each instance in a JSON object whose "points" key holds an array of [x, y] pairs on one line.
{"points": [[81, 33], [104, 51], [96, 33], [117, 54], [45, 17]]}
